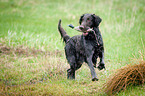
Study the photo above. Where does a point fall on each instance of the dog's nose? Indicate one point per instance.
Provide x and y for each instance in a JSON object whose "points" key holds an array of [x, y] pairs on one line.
{"points": [[81, 27]]}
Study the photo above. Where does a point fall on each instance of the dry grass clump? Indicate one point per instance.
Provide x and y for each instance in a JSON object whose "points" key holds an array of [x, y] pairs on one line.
{"points": [[128, 75]]}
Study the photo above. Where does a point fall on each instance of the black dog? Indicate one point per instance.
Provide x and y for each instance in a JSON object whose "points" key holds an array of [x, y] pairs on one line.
{"points": [[86, 47]]}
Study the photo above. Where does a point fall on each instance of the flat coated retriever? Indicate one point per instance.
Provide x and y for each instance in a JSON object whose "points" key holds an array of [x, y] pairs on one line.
{"points": [[86, 47]]}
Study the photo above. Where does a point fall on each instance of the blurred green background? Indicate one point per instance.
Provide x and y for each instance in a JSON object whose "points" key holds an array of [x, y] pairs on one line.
{"points": [[31, 25]]}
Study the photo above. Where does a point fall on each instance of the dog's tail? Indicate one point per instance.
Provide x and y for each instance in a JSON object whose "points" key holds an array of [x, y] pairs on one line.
{"points": [[63, 33]]}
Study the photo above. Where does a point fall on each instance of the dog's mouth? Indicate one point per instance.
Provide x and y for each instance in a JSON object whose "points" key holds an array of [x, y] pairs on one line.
{"points": [[83, 29], [85, 33]]}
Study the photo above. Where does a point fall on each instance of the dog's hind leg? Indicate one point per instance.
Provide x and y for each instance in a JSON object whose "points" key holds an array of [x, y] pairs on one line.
{"points": [[71, 71], [73, 67]]}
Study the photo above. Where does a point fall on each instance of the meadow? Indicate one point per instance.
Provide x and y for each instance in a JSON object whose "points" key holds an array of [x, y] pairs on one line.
{"points": [[32, 59]]}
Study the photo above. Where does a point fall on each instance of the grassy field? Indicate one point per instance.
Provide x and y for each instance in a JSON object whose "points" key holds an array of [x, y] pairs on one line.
{"points": [[32, 60]]}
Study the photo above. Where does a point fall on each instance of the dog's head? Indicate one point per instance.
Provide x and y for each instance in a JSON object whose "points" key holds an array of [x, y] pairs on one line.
{"points": [[89, 21]]}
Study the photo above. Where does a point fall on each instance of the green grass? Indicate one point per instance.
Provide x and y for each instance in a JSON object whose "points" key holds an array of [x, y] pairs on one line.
{"points": [[32, 60]]}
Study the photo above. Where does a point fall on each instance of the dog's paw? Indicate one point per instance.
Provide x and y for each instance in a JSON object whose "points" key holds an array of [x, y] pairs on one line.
{"points": [[101, 66], [95, 79]]}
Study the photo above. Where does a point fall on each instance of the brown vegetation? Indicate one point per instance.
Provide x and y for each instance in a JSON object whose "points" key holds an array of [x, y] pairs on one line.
{"points": [[128, 75]]}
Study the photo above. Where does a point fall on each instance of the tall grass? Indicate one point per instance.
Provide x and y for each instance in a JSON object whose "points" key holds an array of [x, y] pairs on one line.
{"points": [[32, 60]]}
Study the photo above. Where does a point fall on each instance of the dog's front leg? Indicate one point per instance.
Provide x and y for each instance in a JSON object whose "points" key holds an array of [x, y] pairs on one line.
{"points": [[93, 73], [101, 64]]}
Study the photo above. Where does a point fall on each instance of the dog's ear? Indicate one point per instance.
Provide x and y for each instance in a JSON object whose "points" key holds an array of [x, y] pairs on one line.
{"points": [[97, 20], [80, 21]]}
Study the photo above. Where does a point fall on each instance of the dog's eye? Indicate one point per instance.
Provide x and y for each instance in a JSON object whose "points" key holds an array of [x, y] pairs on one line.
{"points": [[88, 19]]}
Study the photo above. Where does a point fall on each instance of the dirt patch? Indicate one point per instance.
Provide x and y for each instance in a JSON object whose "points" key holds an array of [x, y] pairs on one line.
{"points": [[4, 49], [22, 50]]}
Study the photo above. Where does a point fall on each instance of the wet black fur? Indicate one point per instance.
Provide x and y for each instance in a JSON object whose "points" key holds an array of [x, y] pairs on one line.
{"points": [[80, 48]]}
